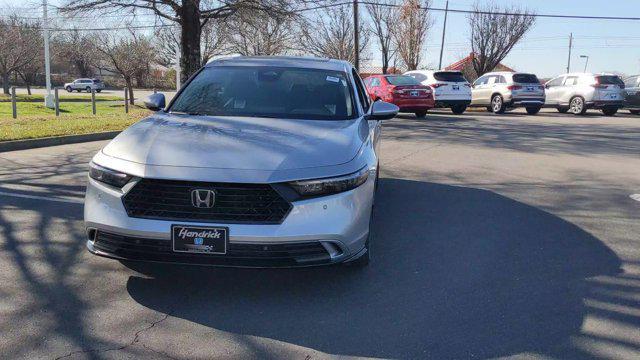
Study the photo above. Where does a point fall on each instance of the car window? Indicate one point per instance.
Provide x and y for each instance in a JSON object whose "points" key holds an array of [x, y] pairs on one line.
{"points": [[362, 94], [419, 77], [480, 81], [571, 80], [555, 82], [451, 76], [376, 82], [631, 81], [609, 80], [266, 91], [401, 80], [525, 79], [492, 80]]}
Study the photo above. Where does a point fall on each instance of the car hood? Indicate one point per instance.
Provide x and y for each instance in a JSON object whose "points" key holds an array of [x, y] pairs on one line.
{"points": [[242, 143]]}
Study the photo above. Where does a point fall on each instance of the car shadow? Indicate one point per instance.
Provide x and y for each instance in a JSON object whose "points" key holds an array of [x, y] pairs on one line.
{"points": [[456, 273]]}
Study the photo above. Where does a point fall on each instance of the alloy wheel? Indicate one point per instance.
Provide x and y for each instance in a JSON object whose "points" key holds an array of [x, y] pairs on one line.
{"points": [[577, 105]]}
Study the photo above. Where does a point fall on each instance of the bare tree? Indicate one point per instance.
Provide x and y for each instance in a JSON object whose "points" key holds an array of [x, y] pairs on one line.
{"points": [[190, 15], [78, 49], [331, 34], [254, 32], [382, 19], [409, 31], [127, 56], [19, 46], [494, 34], [213, 42]]}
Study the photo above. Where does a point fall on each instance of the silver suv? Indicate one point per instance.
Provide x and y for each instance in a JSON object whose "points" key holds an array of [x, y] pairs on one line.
{"points": [[499, 91], [84, 84], [578, 92]]}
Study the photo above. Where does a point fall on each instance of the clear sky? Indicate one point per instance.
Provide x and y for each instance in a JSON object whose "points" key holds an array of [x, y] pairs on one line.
{"points": [[611, 45]]}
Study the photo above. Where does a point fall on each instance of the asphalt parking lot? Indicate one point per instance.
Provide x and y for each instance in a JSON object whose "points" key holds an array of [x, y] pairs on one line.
{"points": [[495, 236]]}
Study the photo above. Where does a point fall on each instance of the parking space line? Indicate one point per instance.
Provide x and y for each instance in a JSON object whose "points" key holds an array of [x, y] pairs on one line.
{"points": [[36, 197]]}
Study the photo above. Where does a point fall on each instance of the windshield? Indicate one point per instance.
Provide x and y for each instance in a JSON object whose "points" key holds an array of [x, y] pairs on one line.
{"points": [[525, 79], [402, 80], [258, 91], [449, 76]]}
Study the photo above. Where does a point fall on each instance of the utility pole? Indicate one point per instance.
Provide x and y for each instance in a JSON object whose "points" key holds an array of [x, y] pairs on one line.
{"points": [[570, 45], [178, 67], [356, 35], [444, 30], [48, 99]]}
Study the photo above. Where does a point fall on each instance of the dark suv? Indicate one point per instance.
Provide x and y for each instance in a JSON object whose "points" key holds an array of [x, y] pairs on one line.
{"points": [[632, 98]]}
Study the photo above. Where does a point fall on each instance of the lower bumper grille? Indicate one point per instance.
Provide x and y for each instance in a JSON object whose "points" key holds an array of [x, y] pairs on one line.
{"points": [[258, 255]]}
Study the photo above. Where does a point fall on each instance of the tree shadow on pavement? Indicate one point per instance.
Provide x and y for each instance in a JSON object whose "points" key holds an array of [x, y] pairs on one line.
{"points": [[457, 273]]}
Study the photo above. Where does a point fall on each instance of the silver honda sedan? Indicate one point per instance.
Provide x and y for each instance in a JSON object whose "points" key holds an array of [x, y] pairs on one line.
{"points": [[257, 161]]}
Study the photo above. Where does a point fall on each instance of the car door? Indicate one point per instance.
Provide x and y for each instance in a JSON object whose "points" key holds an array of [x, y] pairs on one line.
{"points": [[568, 89], [479, 90], [553, 88]]}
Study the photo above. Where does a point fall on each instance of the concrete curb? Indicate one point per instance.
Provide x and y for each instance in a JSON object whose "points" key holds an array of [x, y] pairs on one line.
{"points": [[56, 140]]}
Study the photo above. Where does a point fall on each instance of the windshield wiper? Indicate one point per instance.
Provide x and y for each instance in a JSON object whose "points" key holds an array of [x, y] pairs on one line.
{"points": [[193, 113]]}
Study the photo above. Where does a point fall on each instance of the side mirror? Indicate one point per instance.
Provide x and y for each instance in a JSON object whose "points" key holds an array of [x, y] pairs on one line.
{"points": [[155, 102], [381, 110], [546, 86]]}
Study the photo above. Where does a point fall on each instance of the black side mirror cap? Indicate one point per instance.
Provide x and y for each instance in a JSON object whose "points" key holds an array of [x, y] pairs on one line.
{"points": [[155, 102]]}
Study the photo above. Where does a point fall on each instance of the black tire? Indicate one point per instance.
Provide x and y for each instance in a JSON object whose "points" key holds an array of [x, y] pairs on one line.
{"points": [[69, 89], [98, 91], [576, 105], [79, 90], [635, 112], [489, 109], [609, 110], [88, 89], [497, 104], [562, 109], [533, 110], [421, 114], [458, 109]]}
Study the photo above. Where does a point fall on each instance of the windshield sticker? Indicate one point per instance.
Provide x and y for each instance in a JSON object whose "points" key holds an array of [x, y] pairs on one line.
{"points": [[333, 79], [239, 104]]}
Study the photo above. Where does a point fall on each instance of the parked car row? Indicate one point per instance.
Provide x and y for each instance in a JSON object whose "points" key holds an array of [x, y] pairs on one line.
{"points": [[420, 90]]}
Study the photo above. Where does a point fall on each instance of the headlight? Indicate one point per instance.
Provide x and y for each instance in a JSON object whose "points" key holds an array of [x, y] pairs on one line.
{"points": [[108, 176], [331, 185]]}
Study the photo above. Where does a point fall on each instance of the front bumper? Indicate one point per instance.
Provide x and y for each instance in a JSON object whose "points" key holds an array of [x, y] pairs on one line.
{"points": [[318, 231]]}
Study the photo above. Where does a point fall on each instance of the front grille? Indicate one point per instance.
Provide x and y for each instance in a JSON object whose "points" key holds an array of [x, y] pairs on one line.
{"points": [[268, 255], [234, 203]]}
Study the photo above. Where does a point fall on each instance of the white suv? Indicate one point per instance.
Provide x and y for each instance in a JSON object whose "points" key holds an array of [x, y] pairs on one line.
{"points": [[499, 91], [579, 91], [450, 88]]}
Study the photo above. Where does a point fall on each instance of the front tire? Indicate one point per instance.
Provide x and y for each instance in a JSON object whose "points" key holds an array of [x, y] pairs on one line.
{"points": [[69, 89], [533, 110], [497, 104], [458, 109], [576, 106], [609, 110], [421, 114], [88, 89]]}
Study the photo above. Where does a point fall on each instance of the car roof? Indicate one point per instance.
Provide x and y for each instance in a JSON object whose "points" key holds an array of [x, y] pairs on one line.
{"points": [[426, 71], [283, 61]]}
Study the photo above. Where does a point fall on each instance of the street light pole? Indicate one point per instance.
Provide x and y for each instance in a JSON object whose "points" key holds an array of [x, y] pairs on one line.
{"points": [[48, 99], [586, 62], [444, 30], [570, 46], [356, 35]]}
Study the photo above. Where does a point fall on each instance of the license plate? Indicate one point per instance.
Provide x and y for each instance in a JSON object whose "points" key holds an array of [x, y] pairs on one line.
{"points": [[200, 240], [455, 87], [414, 93]]}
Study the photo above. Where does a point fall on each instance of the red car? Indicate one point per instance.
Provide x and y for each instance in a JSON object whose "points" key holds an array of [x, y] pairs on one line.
{"points": [[404, 91]]}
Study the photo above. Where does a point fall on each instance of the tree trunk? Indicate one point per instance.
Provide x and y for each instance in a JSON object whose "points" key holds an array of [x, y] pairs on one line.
{"points": [[5, 83], [190, 39], [129, 83], [28, 88]]}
